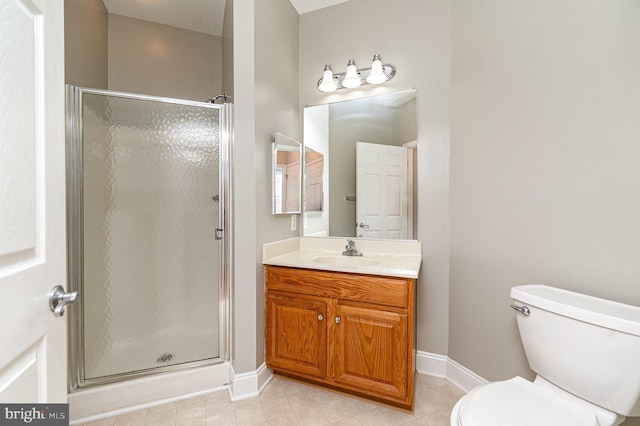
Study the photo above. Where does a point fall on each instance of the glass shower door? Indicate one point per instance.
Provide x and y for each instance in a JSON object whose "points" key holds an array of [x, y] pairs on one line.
{"points": [[147, 180]]}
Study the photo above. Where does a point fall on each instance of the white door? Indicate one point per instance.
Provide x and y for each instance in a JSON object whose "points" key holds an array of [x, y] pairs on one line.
{"points": [[292, 193], [381, 191], [314, 186], [33, 357]]}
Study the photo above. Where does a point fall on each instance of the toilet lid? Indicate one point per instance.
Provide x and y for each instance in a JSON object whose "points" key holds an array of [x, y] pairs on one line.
{"points": [[520, 402]]}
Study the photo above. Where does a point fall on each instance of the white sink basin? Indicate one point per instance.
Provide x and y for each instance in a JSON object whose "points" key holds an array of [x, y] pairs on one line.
{"points": [[344, 261]]}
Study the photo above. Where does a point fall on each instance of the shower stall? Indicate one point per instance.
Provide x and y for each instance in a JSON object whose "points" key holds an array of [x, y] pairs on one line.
{"points": [[147, 201]]}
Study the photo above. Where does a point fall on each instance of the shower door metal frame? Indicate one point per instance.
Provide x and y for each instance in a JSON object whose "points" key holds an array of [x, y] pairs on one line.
{"points": [[75, 246]]}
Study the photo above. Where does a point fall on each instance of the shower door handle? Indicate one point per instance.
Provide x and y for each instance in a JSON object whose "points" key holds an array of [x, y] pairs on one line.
{"points": [[58, 299]]}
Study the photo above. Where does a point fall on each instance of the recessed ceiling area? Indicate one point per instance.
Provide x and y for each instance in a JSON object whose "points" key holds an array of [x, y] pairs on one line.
{"points": [[204, 16]]}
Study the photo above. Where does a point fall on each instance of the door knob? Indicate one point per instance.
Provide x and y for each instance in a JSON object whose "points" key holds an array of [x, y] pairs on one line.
{"points": [[337, 320], [320, 317], [363, 225], [58, 299]]}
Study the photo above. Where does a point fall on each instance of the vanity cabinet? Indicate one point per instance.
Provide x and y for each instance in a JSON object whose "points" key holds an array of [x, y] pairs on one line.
{"points": [[349, 331], [299, 320]]}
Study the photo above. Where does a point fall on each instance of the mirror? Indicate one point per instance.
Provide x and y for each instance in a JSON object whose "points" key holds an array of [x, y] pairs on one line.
{"points": [[287, 178], [369, 164]]}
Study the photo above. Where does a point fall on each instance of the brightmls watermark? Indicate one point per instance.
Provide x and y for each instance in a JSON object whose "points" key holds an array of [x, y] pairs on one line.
{"points": [[34, 414]]}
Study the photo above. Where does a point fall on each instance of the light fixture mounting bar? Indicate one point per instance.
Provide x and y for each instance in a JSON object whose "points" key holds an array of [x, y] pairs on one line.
{"points": [[388, 70]]}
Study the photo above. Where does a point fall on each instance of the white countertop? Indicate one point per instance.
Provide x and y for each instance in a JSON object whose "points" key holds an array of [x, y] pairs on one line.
{"points": [[396, 258]]}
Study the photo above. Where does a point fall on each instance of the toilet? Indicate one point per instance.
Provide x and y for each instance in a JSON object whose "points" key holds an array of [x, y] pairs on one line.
{"points": [[585, 352]]}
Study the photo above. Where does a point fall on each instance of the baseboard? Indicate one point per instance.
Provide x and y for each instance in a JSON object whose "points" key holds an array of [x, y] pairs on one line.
{"points": [[431, 364], [463, 377], [133, 395], [248, 385], [443, 366]]}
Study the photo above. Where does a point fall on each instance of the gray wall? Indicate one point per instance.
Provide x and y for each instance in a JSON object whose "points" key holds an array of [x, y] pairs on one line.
{"points": [[276, 103], [266, 100], [124, 54], [85, 43], [156, 59], [244, 324], [227, 49], [545, 176], [414, 35]]}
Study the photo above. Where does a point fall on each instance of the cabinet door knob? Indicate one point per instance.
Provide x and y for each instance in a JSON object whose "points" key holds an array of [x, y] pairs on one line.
{"points": [[320, 317], [337, 320]]}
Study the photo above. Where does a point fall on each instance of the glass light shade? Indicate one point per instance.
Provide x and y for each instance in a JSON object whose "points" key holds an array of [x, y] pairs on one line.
{"points": [[351, 79], [376, 76], [327, 84]]}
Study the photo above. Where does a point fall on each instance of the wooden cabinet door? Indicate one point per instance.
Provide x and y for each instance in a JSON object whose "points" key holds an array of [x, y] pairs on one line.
{"points": [[296, 333], [372, 349]]}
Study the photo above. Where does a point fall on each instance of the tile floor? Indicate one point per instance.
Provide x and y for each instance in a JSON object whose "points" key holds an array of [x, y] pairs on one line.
{"points": [[288, 402]]}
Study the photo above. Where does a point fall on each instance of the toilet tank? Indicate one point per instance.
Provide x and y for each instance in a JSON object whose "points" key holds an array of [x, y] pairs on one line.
{"points": [[585, 345]]}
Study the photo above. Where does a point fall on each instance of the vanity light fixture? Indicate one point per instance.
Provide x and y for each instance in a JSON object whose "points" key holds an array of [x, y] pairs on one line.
{"points": [[376, 76], [353, 77], [327, 83]]}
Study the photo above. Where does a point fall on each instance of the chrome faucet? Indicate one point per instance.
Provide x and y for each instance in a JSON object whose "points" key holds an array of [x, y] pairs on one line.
{"points": [[351, 249]]}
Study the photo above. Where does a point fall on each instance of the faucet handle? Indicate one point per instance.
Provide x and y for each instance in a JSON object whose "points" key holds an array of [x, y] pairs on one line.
{"points": [[351, 249]]}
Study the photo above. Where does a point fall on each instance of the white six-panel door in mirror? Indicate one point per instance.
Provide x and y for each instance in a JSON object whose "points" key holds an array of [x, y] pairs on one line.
{"points": [[381, 182], [32, 218]]}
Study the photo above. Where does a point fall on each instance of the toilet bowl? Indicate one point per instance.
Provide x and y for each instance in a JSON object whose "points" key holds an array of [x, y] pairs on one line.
{"points": [[519, 402], [584, 351]]}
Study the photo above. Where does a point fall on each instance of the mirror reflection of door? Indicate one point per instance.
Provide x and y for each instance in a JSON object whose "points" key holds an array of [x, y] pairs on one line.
{"points": [[287, 178], [381, 191], [277, 189], [287, 182], [314, 163], [292, 186]]}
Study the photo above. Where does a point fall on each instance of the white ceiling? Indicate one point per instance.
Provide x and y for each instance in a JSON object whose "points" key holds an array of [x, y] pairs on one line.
{"points": [[304, 6], [205, 16]]}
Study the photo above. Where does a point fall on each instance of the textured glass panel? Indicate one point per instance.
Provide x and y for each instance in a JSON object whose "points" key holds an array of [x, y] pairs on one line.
{"points": [[150, 256]]}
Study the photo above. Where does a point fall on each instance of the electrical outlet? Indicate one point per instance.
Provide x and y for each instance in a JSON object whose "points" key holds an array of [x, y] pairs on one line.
{"points": [[294, 222]]}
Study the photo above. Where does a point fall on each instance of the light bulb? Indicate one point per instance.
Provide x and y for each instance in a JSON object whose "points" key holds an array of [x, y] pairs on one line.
{"points": [[376, 76], [351, 79], [327, 84]]}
